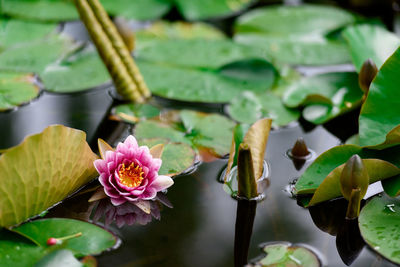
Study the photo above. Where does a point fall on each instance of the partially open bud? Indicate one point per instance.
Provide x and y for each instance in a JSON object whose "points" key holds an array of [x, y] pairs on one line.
{"points": [[367, 74], [354, 182]]}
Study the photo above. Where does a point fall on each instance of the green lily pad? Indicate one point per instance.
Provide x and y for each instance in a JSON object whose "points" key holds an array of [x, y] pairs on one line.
{"points": [[138, 9], [42, 10], [249, 107], [203, 131], [325, 96], [13, 31], [370, 41], [392, 186], [92, 241], [296, 34], [133, 113], [379, 226], [80, 71], [41, 171], [16, 89], [59, 258], [285, 254], [34, 57], [205, 9], [196, 85], [197, 53], [379, 121], [330, 187], [176, 157]]}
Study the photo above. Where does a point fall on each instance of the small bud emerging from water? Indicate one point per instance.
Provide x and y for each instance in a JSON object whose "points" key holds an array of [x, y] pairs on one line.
{"points": [[300, 149], [367, 74], [354, 183], [54, 241]]}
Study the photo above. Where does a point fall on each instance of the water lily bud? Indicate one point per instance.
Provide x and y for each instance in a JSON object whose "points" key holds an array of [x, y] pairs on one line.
{"points": [[354, 182], [52, 241], [247, 186], [367, 74], [300, 149]]}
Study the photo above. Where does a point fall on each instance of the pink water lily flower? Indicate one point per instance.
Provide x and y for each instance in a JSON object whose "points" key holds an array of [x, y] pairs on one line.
{"points": [[130, 173]]}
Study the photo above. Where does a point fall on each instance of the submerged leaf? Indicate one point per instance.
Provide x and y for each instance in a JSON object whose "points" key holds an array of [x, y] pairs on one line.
{"points": [[16, 89], [379, 226], [370, 41], [41, 171]]}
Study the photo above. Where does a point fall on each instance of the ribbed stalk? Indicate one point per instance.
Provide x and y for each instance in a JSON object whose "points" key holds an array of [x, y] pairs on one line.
{"points": [[113, 51]]}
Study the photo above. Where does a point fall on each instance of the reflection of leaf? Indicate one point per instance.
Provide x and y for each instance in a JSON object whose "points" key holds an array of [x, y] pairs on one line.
{"points": [[16, 88], [132, 113], [296, 34], [34, 57], [330, 187], [41, 171], [92, 241], [201, 130], [176, 157], [13, 31], [249, 107], [43, 10], [379, 226], [78, 72], [379, 122], [325, 96], [197, 10], [138, 9], [370, 41]]}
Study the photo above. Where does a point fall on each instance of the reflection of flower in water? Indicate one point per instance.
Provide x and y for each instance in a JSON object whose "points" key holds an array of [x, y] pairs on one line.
{"points": [[129, 213]]}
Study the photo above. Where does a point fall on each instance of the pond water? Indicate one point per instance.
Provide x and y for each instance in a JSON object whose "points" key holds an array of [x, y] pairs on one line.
{"points": [[200, 229]]}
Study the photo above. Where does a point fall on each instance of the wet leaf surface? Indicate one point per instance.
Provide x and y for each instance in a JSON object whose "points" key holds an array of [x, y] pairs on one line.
{"points": [[325, 96], [41, 171], [176, 157], [370, 41], [296, 34], [80, 71], [379, 226], [14, 31], [59, 258], [249, 107], [379, 117], [201, 130], [16, 89], [133, 113], [93, 240]]}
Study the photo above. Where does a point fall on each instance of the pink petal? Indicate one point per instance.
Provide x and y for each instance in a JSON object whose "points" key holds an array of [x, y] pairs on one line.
{"points": [[162, 182], [118, 201]]}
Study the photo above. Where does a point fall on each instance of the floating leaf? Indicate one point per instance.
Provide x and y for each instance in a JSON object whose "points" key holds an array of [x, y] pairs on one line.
{"points": [[80, 71], [59, 258], [249, 107], [379, 226], [325, 96], [330, 187], [93, 240], [41, 171], [379, 121], [16, 89], [138, 9], [42, 10], [392, 186], [286, 254], [370, 41], [205, 9], [13, 31], [176, 158], [210, 131], [34, 57], [133, 113], [296, 34]]}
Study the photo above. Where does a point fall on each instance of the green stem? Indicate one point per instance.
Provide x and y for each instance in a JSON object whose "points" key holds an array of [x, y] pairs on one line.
{"points": [[247, 186], [353, 209], [69, 236]]}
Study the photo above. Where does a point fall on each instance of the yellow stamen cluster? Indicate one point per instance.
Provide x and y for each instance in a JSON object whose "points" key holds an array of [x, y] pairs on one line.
{"points": [[131, 176]]}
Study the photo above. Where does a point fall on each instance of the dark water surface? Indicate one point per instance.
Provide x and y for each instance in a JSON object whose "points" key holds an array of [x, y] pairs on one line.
{"points": [[199, 230]]}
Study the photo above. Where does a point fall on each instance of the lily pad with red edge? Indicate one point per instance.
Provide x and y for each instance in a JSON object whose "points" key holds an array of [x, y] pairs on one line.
{"points": [[16, 89], [93, 240], [176, 157], [43, 170], [379, 226]]}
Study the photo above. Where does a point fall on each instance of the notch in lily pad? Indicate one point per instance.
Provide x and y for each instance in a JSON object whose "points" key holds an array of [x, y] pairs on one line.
{"points": [[246, 160]]}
